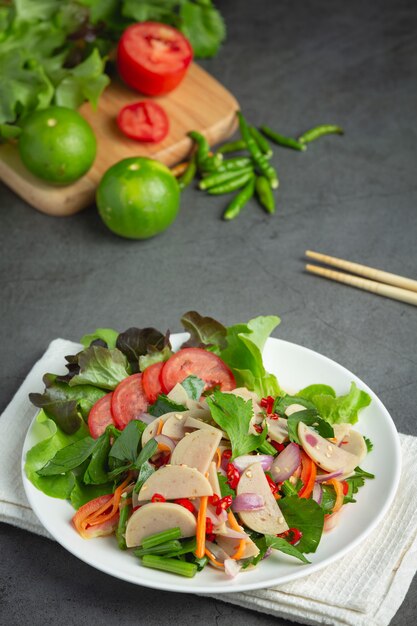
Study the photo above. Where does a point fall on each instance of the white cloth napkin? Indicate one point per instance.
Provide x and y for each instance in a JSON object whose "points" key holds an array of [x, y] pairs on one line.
{"points": [[365, 588]]}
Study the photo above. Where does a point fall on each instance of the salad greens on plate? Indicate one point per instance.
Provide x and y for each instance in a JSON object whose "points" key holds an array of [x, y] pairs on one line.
{"points": [[196, 457]]}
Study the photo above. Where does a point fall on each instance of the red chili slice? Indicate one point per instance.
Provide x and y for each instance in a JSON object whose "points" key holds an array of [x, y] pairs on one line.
{"points": [[100, 416], [144, 121], [197, 362], [129, 401], [153, 58], [151, 381]]}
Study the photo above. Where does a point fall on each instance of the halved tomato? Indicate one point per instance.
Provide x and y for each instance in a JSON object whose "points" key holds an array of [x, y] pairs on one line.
{"points": [[88, 531], [153, 58], [144, 121], [197, 362], [151, 381], [100, 416], [129, 401]]}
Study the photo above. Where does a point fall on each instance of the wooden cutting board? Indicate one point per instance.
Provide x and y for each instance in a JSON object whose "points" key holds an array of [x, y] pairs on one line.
{"points": [[199, 103]]}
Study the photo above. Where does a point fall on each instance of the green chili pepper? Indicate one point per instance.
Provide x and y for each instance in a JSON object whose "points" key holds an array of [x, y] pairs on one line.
{"points": [[185, 179], [319, 131], [265, 195], [231, 185], [211, 163], [287, 142], [232, 146], [203, 147], [261, 141], [223, 177], [239, 201], [261, 161], [125, 510], [231, 165]]}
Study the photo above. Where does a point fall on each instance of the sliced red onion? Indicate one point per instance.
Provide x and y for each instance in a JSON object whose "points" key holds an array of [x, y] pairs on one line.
{"points": [[146, 418], [331, 521], [286, 463], [232, 568], [229, 533], [321, 478], [317, 494], [167, 441], [218, 552], [248, 502], [242, 462], [267, 553]]}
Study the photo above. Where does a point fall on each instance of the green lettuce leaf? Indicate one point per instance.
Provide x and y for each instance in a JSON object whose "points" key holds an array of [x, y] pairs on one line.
{"points": [[154, 357], [307, 516], [341, 409], [233, 415], [243, 355], [137, 342], [107, 335], [204, 27], [81, 493], [51, 439], [86, 81], [151, 10], [101, 367], [204, 332]]}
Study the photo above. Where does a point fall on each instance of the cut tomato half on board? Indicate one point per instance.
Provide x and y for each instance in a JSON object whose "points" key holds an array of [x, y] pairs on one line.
{"points": [[151, 381], [153, 58], [144, 121], [100, 416], [197, 362], [129, 401]]}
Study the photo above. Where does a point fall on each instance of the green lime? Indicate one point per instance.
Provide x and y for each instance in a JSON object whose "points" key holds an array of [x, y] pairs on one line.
{"points": [[138, 198], [57, 145]]}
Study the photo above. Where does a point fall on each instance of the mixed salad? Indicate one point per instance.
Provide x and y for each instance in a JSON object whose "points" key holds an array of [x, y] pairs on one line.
{"points": [[197, 457]]}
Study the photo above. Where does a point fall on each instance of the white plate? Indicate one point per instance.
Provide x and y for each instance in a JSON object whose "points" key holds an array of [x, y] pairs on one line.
{"points": [[296, 367]]}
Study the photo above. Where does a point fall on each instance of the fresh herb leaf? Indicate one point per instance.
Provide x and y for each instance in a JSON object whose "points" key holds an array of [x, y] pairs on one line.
{"points": [[81, 493], [145, 471], [369, 444], [328, 498], [355, 482], [108, 335], [194, 387], [101, 367], [96, 472], [310, 418], [164, 405], [307, 516], [278, 543], [243, 355], [204, 332], [125, 448], [148, 450], [137, 342], [225, 488], [282, 403], [69, 458], [234, 416]]}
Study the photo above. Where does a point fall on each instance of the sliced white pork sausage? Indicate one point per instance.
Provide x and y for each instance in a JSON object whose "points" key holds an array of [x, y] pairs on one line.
{"points": [[214, 479], [355, 444], [197, 449], [268, 520], [156, 517], [277, 429], [174, 426], [175, 481], [230, 546], [192, 422], [340, 432], [152, 428], [325, 454]]}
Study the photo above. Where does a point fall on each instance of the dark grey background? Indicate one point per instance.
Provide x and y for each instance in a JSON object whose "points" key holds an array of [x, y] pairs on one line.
{"points": [[291, 65]]}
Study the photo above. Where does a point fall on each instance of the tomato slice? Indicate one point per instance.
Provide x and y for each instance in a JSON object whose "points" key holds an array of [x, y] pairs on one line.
{"points": [[98, 530], [153, 58], [100, 416], [197, 362], [144, 121], [151, 381], [129, 401]]}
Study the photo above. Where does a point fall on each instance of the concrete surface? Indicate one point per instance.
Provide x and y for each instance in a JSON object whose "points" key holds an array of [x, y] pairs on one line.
{"points": [[291, 65]]}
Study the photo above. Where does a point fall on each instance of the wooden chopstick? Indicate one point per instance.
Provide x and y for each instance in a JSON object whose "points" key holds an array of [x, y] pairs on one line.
{"points": [[363, 270], [381, 289]]}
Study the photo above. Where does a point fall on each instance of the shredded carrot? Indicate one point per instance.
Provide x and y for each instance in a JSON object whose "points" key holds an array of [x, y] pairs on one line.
{"points": [[219, 457], [163, 447], [210, 556], [308, 475], [201, 528], [100, 516], [338, 487], [240, 551], [180, 168], [277, 496], [233, 522], [160, 426]]}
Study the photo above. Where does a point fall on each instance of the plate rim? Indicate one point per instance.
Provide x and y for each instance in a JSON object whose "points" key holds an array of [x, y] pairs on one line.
{"points": [[230, 586]]}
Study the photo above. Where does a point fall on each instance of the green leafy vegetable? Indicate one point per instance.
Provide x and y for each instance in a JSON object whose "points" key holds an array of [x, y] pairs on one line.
{"points": [[234, 415], [107, 335], [369, 444], [308, 393], [243, 354], [278, 543], [81, 493], [310, 418], [154, 357], [100, 367], [203, 25], [64, 404], [96, 472], [148, 450], [69, 458], [341, 409], [225, 488], [355, 482], [164, 405], [193, 386], [328, 498], [204, 332], [137, 342], [126, 446], [307, 516], [145, 471]]}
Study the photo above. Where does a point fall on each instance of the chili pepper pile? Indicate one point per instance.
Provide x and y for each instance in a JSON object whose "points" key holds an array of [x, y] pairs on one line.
{"points": [[248, 175]]}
